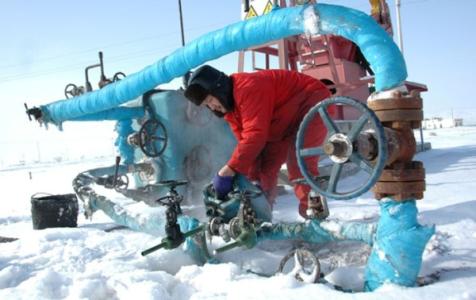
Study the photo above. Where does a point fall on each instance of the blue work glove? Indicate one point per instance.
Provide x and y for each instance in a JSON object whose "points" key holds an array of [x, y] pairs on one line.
{"points": [[222, 185]]}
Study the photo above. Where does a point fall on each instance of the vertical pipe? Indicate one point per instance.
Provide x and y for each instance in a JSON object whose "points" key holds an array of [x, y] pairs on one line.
{"points": [[124, 129], [101, 64], [399, 26], [181, 22], [400, 45]]}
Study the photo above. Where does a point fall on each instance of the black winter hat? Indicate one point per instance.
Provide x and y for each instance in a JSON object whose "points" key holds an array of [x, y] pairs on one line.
{"points": [[207, 80]]}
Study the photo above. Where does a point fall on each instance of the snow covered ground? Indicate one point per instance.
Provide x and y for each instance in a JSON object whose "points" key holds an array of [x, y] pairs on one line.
{"points": [[90, 263]]}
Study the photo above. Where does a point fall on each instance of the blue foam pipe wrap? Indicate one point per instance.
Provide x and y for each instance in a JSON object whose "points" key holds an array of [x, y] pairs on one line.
{"points": [[377, 46], [154, 224], [399, 243], [124, 129], [114, 114], [314, 231]]}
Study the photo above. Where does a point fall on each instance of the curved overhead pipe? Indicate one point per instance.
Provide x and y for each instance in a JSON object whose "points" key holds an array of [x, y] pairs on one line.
{"points": [[377, 46], [114, 114]]}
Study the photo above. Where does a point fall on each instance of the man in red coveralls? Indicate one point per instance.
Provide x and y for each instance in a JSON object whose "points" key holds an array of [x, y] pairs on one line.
{"points": [[264, 110]]}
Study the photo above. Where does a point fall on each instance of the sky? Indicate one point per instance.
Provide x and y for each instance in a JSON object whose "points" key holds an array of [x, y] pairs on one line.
{"points": [[46, 45]]}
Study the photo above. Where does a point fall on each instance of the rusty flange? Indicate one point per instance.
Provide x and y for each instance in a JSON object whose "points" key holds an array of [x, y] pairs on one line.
{"points": [[398, 187], [409, 102], [401, 181], [398, 107], [397, 115], [412, 171], [401, 197], [402, 178]]}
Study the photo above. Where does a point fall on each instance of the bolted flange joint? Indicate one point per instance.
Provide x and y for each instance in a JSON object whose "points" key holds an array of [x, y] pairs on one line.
{"points": [[400, 112]]}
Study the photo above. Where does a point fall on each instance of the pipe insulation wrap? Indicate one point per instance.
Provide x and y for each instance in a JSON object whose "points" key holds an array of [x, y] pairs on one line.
{"points": [[114, 114], [152, 222], [378, 48], [320, 232], [399, 243], [124, 129]]}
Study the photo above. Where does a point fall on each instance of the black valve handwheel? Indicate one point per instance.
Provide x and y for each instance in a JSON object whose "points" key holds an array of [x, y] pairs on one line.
{"points": [[172, 197], [168, 200], [153, 138], [118, 76], [122, 182], [172, 183], [71, 90]]}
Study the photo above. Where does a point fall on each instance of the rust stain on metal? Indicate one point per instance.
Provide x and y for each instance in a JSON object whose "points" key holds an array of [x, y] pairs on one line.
{"points": [[400, 115], [402, 178], [398, 103], [399, 187]]}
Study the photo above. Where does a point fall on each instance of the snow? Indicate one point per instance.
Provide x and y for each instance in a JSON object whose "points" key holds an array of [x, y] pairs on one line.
{"points": [[90, 263]]}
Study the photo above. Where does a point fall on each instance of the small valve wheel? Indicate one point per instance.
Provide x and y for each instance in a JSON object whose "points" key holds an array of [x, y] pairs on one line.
{"points": [[304, 266], [118, 76], [152, 138], [72, 90], [122, 182]]}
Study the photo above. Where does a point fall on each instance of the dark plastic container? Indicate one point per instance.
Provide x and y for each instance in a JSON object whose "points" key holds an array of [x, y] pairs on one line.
{"points": [[54, 211]]}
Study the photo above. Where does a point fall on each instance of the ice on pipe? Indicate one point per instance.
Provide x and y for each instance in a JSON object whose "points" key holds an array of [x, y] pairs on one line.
{"points": [[198, 143], [311, 21]]}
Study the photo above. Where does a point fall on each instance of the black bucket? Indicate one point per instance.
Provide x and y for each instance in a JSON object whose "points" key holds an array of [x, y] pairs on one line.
{"points": [[54, 211]]}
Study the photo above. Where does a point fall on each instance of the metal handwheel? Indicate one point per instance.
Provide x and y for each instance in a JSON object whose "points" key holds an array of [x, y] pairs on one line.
{"points": [[118, 76], [122, 182], [305, 265], [72, 90], [172, 184], [342, 148], [152, 138]]}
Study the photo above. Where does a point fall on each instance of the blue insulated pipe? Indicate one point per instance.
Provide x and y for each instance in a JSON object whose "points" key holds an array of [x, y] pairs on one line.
{"points": [[114, 114], [377, 46], [399, 244], [154, 224], [124, 129]]}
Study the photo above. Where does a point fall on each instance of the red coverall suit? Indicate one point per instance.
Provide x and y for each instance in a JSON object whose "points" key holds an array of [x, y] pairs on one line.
{"points": [[268, 109]]}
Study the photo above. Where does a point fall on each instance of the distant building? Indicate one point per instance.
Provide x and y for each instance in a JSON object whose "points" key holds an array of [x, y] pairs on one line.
{"points": [[437, 122]]}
